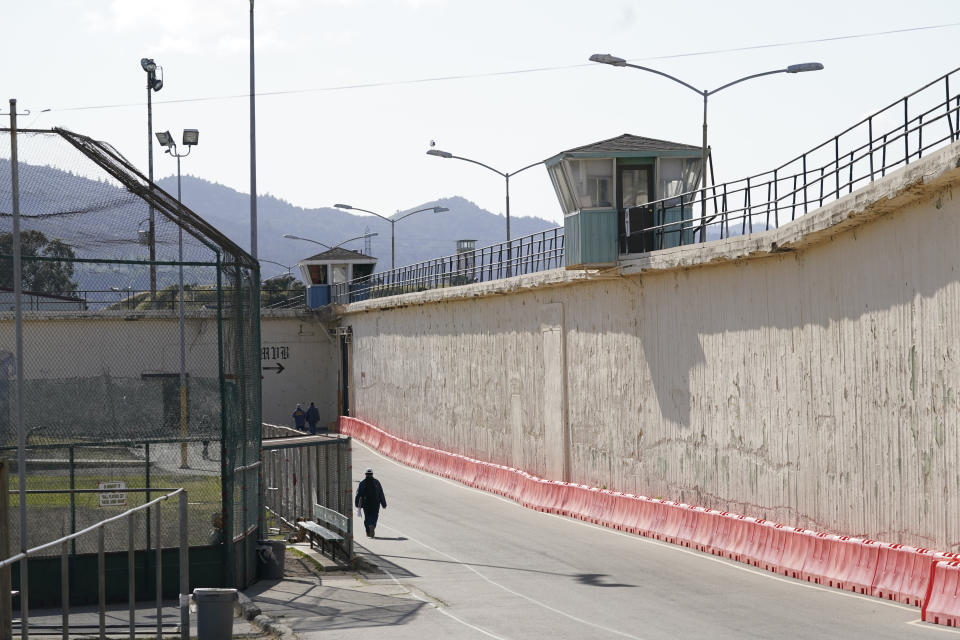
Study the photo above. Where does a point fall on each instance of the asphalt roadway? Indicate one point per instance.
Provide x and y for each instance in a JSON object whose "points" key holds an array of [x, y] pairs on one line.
{"points": [[461, 563]]}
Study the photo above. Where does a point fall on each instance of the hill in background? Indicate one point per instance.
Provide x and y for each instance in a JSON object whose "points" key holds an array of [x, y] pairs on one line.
{"points": [[420, 237]]}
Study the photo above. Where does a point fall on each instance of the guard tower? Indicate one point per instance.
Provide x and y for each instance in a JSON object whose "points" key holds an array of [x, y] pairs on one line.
{"points": [[604, 188], [336, 266]]}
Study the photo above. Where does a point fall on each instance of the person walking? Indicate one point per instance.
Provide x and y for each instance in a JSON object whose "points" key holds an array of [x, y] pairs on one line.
{"points": [[313, 417], [370, 498], [299, 418]]}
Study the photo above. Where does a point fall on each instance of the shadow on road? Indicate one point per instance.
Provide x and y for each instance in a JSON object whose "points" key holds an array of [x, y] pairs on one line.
{"points": [[307, 606], [593, 580], [382, 563], [589, 579]]}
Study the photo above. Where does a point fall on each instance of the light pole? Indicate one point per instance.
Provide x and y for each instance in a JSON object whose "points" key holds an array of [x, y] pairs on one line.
{"points": [[278, 264], [190, 138], [253, 148], [504, 175], [392, 222], [293, 237], [606, 58], [153, 84]]}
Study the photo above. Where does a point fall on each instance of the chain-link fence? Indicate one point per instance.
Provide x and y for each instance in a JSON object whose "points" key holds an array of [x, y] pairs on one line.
{"points": [[300, 471], [140, 357]]}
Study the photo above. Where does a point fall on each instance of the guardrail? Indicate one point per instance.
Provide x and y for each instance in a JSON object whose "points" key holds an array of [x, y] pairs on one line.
{"points": [[892, 137], [529, 254], [101, 570]]}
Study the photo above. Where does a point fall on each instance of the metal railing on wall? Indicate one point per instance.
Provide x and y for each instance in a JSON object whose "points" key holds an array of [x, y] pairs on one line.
{"points": [[892, 137], [99, 528], [529, 254]]}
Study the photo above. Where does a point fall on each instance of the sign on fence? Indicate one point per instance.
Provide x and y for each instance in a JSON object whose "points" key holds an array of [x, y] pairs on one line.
{"points": [[112, 499]]}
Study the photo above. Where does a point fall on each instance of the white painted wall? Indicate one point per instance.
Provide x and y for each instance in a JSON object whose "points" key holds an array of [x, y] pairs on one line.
{"points": [[817, 386], [87, 370], [309, 357]]}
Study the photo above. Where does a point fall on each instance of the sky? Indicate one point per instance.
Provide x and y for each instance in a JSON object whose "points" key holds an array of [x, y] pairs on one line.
{"points": [[351, 92]]}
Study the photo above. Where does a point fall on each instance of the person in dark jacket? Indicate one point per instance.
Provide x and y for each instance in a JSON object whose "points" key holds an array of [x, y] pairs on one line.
{"points": [[370, 498], [313, 417], [300, 418]]}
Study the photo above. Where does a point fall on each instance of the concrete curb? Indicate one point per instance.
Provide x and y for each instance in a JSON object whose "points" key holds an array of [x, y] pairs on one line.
{"points": [[249, 611], [268, 624]]}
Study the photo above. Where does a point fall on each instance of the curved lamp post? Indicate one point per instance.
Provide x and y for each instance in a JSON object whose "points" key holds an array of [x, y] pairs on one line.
{"points": [[190, 138], [392, 222], [606, 58], [276, 263], [505, 175], [293, 237]]}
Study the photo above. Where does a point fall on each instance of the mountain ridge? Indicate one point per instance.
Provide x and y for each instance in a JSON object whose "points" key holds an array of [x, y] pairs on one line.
{"points": [[420, 237]]}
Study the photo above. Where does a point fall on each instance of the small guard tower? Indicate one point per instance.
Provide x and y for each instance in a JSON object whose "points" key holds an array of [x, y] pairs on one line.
{"points": [[603, 187], [335, 266]]}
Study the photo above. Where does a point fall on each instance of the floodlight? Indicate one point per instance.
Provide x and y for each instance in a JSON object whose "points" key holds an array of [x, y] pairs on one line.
{"points": [[148, 65], [342, 206], [190, 137], [164, 138], [439, 154], [606, 58], [440, 209], [804, 66]]}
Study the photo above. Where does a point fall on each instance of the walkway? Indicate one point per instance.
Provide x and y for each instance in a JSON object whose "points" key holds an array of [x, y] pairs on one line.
{"points": [[459, 563]]}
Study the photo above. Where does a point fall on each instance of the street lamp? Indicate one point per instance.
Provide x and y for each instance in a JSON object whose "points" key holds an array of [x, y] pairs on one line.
{"points": [[392, 222], [154, 83], [278, 264], [506, 177], [190, 138], [606, 58], [293, 237]]}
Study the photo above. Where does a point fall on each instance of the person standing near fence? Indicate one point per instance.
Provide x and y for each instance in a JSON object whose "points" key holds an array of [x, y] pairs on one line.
{"points": [[313, 417], [370, 498], [299, 418]]}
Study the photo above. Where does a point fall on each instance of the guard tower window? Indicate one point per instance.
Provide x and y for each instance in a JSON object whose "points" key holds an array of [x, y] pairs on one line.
{"points": [[678, 175], [339, 273], [562, 186], [592, 182]]}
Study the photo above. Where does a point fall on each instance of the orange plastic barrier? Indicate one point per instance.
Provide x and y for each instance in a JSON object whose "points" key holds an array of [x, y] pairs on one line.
{"points": [[903, 573], [891, 571], [941, 604], [796, 553], [861, 567]]}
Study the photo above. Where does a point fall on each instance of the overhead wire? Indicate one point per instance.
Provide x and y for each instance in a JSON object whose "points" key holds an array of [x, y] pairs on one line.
{"points": [[509, 72]]}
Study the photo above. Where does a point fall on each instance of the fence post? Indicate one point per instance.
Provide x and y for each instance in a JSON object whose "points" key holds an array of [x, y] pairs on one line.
{"points": [[184, 568], [101, 584], [6, 603], [159, 575], [65, 590], [73, 501]]}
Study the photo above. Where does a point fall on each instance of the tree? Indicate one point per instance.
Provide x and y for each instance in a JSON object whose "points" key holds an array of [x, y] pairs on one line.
{"points": [[39, 276], [280, 289]]}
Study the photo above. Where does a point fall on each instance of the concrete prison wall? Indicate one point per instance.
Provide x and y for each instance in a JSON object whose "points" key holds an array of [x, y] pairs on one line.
{"points": [[116, 372], [807, 374]]}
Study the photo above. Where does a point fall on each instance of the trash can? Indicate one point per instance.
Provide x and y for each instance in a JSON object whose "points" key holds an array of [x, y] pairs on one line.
{"points": [[215, 613], [270, 559]]}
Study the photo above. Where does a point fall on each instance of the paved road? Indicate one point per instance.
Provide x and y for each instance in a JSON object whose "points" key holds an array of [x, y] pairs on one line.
{"points": [[460, 563]]}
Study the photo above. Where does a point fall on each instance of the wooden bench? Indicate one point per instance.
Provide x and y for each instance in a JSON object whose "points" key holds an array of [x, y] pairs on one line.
{"points": [[317, 532]]}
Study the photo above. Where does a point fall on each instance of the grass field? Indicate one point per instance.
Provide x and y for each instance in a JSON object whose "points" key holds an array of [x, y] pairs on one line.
{"points": [[199, 489]]}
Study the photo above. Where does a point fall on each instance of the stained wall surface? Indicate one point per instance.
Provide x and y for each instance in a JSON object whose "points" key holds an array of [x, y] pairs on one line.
{"points": [[123, 359], [808, 374]]}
